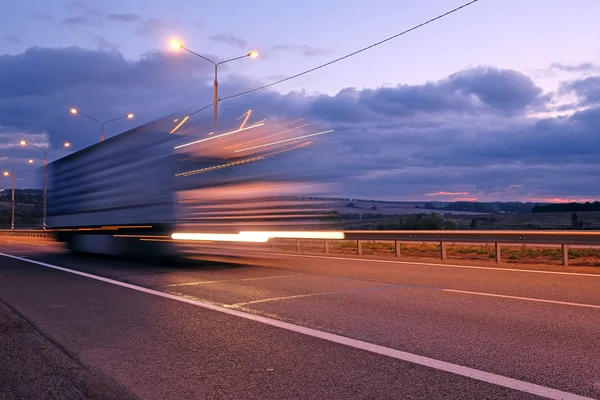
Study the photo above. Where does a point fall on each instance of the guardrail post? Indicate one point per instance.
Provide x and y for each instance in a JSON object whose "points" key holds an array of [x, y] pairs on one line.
{"points": [[498, 252], [326, 245], [359, 247], [442, 250], [397, 248], [565, 254]]}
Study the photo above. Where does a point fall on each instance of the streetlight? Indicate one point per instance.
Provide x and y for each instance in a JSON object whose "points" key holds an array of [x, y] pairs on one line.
{"points": [[6, 173], [76, 111], [177, 45], [66, 145]]}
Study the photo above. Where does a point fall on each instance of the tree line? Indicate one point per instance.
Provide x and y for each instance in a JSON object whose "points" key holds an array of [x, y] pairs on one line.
{"points": [[567, 207]]}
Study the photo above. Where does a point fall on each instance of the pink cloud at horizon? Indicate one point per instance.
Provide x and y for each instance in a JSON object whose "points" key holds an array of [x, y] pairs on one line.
{"points": [[557, 200], [448, 194]]}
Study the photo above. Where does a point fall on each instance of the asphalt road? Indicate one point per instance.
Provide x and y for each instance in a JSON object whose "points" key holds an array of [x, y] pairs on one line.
{"points": [[293, 327]]}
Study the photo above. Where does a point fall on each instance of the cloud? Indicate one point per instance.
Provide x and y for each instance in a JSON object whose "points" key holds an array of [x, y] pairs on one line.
{"points": [[152, 27], [583, 67], [104, 44], [587, 89], [448, 194], [500, 89], [126, 17], [228, 38], [42, 16], [474, 91], [13, 40], [303, 49], [460, 137], [76, 21]]}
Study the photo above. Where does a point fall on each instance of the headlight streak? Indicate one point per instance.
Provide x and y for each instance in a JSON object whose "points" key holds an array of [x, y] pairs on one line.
{"points": [[222, 237], [257, 236]]}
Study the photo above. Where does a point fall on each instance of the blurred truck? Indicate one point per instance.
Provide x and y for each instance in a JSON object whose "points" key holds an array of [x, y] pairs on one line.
{"points": [[163, 187]]}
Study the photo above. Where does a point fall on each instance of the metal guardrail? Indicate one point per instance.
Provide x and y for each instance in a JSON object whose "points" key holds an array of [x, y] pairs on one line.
{"points": [[498, 238], [26, 233]]}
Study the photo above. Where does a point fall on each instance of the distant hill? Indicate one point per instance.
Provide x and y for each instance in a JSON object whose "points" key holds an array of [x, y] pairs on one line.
{"points": [[567, 207]]}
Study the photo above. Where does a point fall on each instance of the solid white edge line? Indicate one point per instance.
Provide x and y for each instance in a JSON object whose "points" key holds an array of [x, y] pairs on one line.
{"points": [[456, 369], [431, 264]]}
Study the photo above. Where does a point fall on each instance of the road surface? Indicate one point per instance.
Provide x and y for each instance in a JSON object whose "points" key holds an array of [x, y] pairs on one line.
{"points": [[293, 327]]}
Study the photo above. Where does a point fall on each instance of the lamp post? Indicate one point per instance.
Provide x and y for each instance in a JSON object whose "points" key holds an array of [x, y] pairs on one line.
{"points": [[253, 54], [6, 173], [66, 145], [102, 123]]}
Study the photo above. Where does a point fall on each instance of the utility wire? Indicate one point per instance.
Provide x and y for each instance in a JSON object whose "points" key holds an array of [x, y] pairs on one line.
{"points": [[352, 54], [346, 56]]}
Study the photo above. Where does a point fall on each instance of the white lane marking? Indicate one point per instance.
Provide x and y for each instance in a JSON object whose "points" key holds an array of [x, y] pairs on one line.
{"points": [[270, 277], [523, 298], [230, 280], [456, 369], [300, 296], [433, 264]]}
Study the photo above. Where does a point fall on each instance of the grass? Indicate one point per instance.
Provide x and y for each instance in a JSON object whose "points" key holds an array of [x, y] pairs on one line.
{"points": [[510, 254]]}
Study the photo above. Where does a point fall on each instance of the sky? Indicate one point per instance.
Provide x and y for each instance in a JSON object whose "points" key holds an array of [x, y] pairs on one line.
{"points": [[499, 101]]}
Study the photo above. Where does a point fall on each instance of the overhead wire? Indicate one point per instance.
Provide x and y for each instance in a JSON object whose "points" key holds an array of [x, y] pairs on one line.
{"points": [[422, 24]]}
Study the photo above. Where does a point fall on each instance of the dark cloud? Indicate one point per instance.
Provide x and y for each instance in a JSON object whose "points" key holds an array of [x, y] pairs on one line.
{"points": [[105, 44], [76, 21], [126, 17], [459, 134], [500, 89], [11, 40], [474, 91], [303, 49], [587, 89], [228, 38]]}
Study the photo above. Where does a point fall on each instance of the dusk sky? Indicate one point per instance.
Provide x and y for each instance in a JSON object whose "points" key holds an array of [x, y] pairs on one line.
{"points": [[499, 101]]}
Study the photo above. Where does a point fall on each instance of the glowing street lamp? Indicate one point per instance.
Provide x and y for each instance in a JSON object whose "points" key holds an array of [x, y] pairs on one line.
{"points": [[6, 173], [176, 45], [102, 123], [66, 145]]}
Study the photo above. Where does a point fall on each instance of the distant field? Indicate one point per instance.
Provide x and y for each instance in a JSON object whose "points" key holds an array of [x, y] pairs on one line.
{"points": [[386, 208], [546, 221]]}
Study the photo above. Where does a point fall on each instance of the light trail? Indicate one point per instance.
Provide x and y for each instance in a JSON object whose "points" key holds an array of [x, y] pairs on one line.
{"points": [[284, 141], [179, 125], [219, 136], [221, 166], [266, 137], [298, 234], [247, 114], [222, 237]]}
